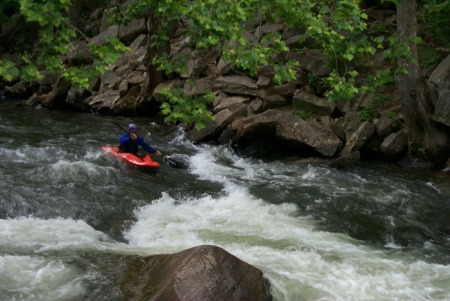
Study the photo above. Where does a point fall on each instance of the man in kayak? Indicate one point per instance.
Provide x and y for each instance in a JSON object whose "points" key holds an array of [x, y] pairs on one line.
{"points": [[129, 142]]}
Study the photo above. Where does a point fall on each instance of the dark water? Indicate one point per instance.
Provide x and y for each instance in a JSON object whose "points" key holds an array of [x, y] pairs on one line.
{"points": [[70, 214]]}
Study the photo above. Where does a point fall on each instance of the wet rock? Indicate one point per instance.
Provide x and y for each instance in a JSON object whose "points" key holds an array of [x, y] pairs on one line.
{"points": [[447, 165], [289, 128], [200, 273], [79, 98], [347, 160], [20, 90]]}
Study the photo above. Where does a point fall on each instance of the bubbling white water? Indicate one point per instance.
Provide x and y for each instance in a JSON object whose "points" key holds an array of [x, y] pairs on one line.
{"points": [[37, 278], [301, 262]]}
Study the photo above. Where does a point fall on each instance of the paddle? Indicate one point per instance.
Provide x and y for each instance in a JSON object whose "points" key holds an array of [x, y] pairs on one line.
{"points": [[165, 158]]}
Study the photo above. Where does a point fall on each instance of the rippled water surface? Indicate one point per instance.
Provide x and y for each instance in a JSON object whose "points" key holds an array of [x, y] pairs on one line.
{"points": [[69, 213]]}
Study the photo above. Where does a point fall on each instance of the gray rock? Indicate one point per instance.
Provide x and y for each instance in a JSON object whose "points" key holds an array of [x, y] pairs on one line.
{"points": [[131, 31], [359, 138], [394, 144], [101, 38], [213, 130], [235, 84], [198, 87], [385, 126], [312, 104], [105, 100], [290, 128], [274, 101], [348, 160], [312, 134], [199, 273], [439, 85], [229, 101]]}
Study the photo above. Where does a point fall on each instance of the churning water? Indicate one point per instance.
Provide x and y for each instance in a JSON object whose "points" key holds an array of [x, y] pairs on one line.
{"points": [[69, 214]]}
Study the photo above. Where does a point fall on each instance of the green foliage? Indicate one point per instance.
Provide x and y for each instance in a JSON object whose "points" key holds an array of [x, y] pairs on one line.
{"points": [[8, 70], [342, 87], [55, 33], [303, 114], [338, 27], [399, 51], [416, 152], [378, 79], [393, 116], [103, 56], [429, 58], [180, 108], [437, 17], [370, 111], [170, 65]]}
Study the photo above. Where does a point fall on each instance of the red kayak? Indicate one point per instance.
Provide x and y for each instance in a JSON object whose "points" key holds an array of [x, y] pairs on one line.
{"points": [[145, 162]]}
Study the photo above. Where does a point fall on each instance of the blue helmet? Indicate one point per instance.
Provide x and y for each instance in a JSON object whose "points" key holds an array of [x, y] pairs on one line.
{"points": [[132, 127]]}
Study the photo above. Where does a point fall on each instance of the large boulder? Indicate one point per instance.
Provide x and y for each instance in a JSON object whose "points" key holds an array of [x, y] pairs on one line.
{"points": [[312, 134], [285, 126], [200, 273], [256, 126], [359, 138]]}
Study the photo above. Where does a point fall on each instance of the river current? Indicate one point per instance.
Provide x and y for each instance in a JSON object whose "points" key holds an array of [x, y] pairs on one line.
{"points": [[69, 213]]}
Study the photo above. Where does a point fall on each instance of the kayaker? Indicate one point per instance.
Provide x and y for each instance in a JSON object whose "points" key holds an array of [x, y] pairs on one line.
{"points": [[129, 142]]}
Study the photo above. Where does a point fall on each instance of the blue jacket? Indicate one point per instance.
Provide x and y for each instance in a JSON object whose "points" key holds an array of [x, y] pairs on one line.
{"points": [[128, 145]]}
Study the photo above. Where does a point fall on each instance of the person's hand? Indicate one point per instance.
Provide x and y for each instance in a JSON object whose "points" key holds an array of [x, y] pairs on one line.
{"points": [[133, 136], [158, 153]]}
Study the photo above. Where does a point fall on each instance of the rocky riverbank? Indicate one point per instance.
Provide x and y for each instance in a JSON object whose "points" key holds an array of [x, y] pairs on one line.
{"points": [[252, 114]]}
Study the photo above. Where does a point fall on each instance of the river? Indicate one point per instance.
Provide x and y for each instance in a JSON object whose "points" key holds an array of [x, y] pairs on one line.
{"points": [[69, 213]]}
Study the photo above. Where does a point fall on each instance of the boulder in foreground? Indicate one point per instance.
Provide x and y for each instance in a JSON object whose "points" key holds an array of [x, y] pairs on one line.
{"points": [[200, 273]]}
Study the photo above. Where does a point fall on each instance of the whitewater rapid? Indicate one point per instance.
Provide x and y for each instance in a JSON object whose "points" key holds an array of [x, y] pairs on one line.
{"points": [[69, 200]]}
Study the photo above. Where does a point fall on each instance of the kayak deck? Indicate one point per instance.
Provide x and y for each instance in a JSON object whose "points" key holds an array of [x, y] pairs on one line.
{"points": [[144, 162]]}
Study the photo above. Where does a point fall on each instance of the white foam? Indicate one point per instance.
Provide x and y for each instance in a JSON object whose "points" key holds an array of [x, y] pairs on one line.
{"points": [[300, 261], [33, 236], [38, 278], [36, 271]]}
